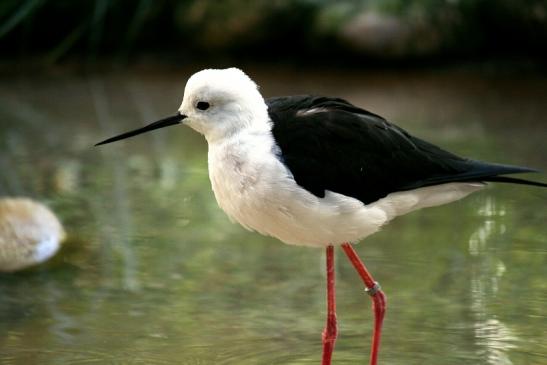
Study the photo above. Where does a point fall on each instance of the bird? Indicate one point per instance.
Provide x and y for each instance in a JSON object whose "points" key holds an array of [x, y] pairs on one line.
{"points": [[30, 233], [319, 171]]}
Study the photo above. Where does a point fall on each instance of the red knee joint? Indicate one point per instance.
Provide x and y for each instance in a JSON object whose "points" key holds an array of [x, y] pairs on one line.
{"points": [[373, 289]]}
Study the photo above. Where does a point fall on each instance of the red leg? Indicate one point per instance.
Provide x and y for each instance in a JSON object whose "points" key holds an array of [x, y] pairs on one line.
{"points": [[330, 331], [377, 295]]}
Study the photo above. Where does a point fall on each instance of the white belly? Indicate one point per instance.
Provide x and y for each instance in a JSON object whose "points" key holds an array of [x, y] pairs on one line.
{"points": [[255, 189]]}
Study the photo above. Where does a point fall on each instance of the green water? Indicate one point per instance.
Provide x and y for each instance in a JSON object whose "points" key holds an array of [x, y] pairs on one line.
{"points": [[154, 273]]}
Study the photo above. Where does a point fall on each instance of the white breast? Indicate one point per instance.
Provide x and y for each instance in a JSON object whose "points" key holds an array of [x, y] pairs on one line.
{"points": [[257, 190]]}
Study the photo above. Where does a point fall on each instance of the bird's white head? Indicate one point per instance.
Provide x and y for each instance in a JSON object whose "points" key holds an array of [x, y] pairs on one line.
{"points": [[217, 104]]}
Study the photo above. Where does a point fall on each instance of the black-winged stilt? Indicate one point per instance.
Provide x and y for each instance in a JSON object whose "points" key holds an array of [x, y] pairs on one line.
{"points": [[319, 171]]}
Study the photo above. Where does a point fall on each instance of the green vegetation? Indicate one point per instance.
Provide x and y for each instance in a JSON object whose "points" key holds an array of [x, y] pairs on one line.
{"points": [[53, 30]]}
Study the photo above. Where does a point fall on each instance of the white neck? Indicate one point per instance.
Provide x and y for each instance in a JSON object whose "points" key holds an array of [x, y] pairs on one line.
{"points": [[253, 120]]}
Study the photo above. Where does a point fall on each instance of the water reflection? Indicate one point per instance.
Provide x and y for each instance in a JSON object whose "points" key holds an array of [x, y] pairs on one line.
{"points": [[492, 337], [154, 273], [121, 213]]}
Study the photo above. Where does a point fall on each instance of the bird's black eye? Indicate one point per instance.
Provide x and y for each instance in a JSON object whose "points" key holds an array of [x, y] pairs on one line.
{"points": [[202, 105]]}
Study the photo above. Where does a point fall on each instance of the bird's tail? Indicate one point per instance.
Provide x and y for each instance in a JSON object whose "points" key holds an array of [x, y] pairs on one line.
{"points": [[513, 180]]}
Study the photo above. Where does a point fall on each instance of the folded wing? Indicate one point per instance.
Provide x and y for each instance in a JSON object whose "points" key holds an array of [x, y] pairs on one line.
{"points": [[330, 144]]}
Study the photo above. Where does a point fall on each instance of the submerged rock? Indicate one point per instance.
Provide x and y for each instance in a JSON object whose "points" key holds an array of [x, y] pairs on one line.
{"points": [[30, 233]]}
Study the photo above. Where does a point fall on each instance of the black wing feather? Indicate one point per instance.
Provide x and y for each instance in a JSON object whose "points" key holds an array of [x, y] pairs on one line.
{"points": [[330, 144]]}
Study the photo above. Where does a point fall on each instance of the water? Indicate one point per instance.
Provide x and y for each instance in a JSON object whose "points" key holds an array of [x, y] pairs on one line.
{"points": [[154, 273]]}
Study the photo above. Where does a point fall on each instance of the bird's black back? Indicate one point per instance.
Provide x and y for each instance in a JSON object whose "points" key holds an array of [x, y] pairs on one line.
{"points": [[330, 144]]}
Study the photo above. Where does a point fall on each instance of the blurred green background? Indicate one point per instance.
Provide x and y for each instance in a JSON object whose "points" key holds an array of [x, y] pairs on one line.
{"points": [[286, 31], [154, 273]]}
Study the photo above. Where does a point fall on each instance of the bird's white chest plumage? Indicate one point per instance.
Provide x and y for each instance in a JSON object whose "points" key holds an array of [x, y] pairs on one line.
{"points": [[250, 184], [256, 189]]}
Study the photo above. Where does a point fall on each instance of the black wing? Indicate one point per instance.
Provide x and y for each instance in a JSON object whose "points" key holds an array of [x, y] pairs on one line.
{"points": [[330, 144]]}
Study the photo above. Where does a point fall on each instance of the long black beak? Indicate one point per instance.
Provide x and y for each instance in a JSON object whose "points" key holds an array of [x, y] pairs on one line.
{"points": [[165, 122]]}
